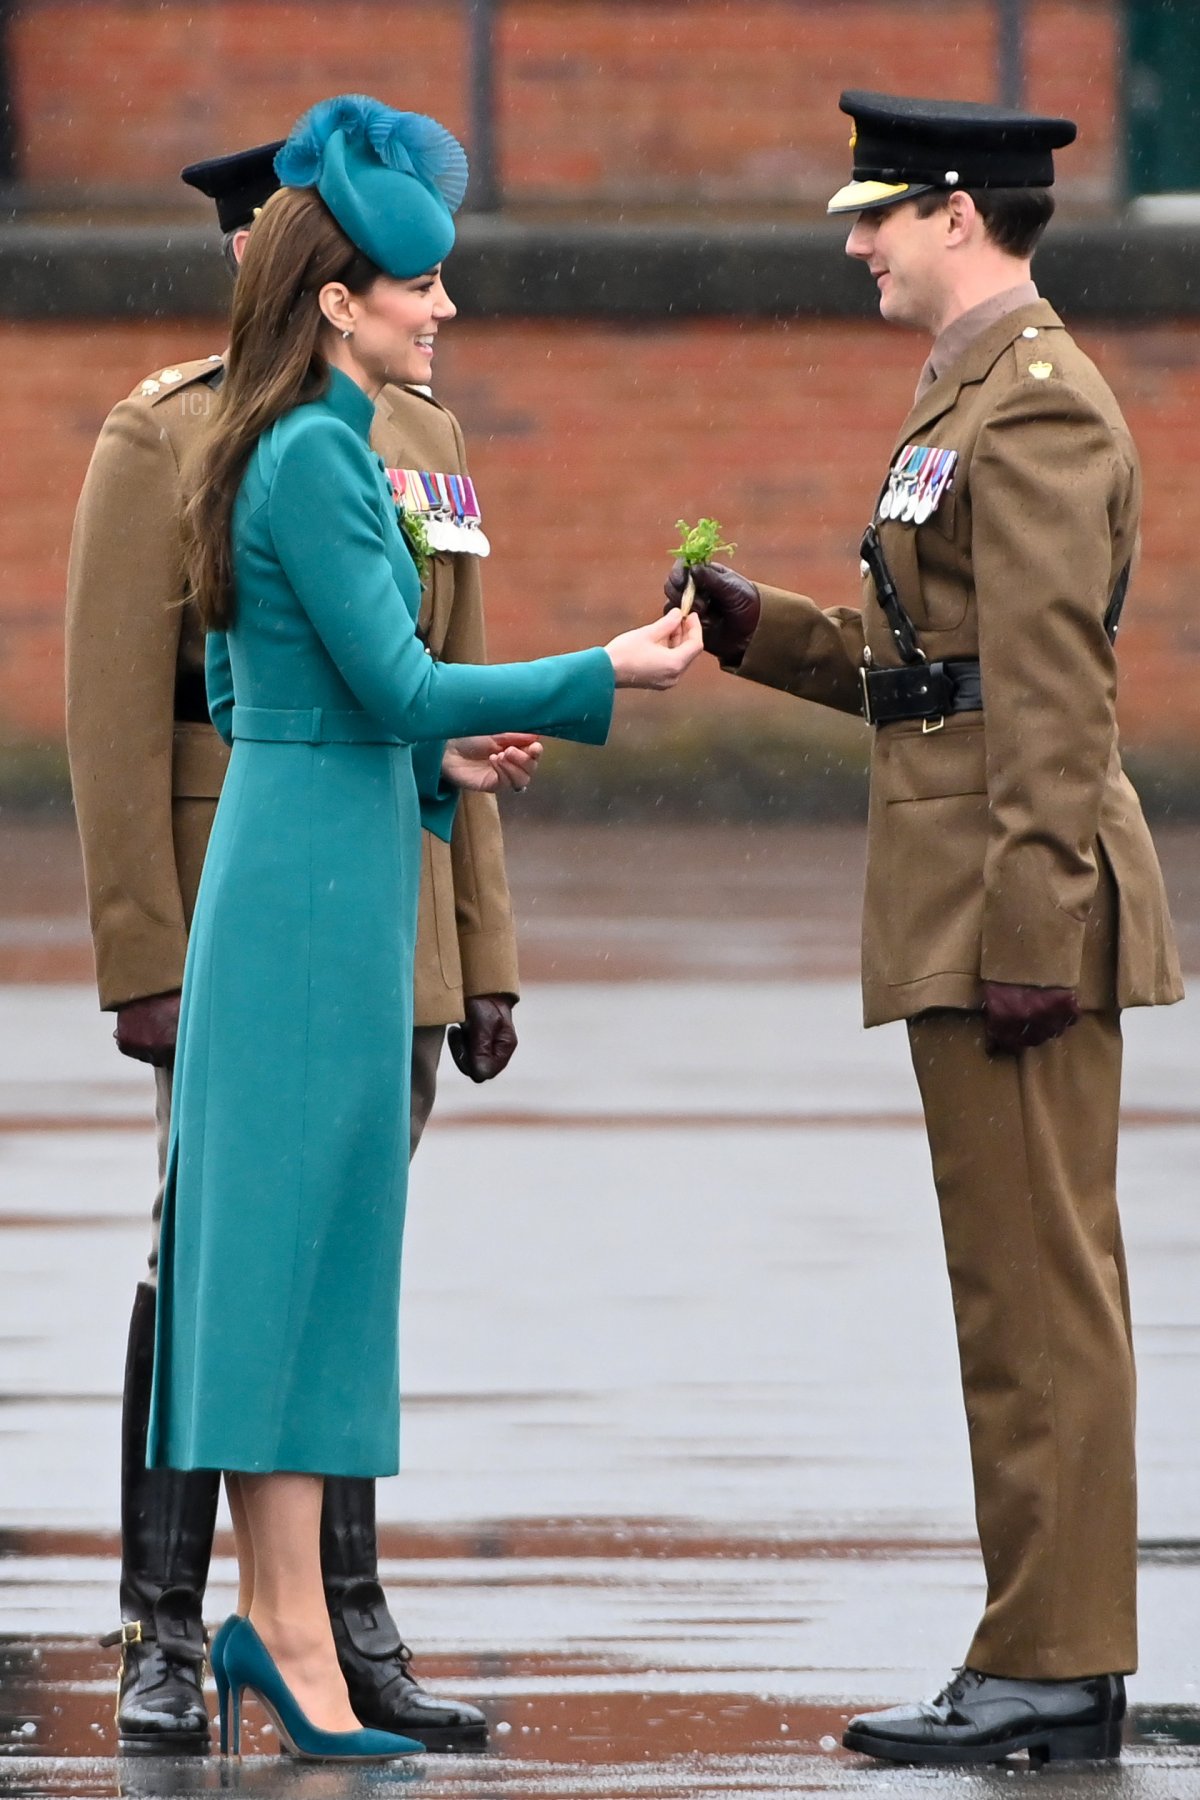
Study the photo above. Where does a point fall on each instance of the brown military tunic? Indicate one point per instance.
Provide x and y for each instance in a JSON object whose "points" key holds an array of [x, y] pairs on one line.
{"points": [[146, 780], [1008, 845]]}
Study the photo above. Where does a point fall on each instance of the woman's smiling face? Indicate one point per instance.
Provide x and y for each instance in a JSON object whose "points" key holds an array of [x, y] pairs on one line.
{"points": [[395, 326]]}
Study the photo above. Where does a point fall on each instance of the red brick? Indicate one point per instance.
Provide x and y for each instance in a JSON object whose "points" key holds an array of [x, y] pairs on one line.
{"points": [[588, 442], [597, 100]]}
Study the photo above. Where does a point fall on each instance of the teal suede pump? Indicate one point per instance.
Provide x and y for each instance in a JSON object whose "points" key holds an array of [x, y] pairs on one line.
{"points": [[216, 1661], [247, 1665]]}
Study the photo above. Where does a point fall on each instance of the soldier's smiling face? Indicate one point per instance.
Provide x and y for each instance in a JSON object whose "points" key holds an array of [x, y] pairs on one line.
{"points": [[906, 254]]}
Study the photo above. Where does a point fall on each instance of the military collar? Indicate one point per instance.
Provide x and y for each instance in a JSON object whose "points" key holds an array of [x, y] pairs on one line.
{"points": [[976, 361], [953, 342], [347, 402]]}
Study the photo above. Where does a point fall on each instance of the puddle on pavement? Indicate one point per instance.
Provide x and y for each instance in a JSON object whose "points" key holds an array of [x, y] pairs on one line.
{"points": [[56, 1733]]}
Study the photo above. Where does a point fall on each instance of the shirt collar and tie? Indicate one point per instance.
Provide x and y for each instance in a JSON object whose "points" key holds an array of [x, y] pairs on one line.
{"points": [[960, 334]]}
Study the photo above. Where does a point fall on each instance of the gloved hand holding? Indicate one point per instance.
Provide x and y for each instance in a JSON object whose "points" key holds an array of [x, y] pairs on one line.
{"points": [[482, 1046], [727, 606], [147, 1029], [1018, 1017]]}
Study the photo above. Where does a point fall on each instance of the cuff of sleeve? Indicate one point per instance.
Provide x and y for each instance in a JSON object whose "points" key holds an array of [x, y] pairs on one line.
{"points": [[776, 654], [489, 963], [1039, 947], [150, 970], [438, 811], [594, 719], [438, 797]]}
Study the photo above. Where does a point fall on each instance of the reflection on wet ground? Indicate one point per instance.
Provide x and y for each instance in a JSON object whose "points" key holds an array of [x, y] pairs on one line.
{"points": [[685, 1471]]}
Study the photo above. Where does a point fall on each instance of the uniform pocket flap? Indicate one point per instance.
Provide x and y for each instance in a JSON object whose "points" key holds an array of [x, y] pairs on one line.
{"points": [[912, 764]]}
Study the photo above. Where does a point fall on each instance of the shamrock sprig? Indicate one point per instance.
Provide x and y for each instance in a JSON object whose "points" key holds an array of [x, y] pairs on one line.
{"points": [[417, 538], [698, 543]]}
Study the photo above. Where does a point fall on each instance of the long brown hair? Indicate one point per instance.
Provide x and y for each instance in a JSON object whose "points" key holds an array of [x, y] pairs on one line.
{"points": [[294, 249]]}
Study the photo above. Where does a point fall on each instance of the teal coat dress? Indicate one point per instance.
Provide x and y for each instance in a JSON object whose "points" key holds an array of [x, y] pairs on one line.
{"points": [[279, 1272]]}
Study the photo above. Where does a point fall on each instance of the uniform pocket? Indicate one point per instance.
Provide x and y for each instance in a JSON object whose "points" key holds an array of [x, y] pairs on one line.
{"points": [[931, 864]]}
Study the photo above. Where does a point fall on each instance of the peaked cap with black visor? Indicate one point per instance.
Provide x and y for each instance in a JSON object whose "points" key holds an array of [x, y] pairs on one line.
{"points": [[240, 184], [392, 180], [904, 147]]}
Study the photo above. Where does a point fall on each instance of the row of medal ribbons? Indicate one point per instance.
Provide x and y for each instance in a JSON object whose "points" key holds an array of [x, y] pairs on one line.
{"points": [[448, 507], [916, 482]]}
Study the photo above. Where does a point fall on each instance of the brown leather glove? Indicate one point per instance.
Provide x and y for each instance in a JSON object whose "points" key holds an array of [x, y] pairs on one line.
{"points": [[482, 1046], [1017, 1017], [147, 1029], [727, 606]]}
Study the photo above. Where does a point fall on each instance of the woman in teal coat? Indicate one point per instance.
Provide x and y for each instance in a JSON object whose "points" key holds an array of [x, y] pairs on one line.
{"points": [[279, 1269]]}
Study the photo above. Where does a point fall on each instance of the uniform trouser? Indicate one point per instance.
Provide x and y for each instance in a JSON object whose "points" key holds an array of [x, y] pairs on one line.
{"points": [[427, 1050], [1024, 1155]]}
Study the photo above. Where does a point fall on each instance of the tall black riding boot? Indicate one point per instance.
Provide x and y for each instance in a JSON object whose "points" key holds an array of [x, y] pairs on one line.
{"points": [[167, 1523], [375, 1660]]}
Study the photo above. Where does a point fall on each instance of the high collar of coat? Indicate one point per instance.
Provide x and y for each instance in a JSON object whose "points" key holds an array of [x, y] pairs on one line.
{"points": [[975, 363]]}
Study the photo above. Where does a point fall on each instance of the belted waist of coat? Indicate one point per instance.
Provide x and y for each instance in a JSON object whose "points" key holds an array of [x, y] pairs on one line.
{"points": [[308, 725]]}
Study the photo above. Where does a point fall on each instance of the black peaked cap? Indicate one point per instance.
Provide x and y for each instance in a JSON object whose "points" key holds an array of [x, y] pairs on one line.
{"points": [[239, 184], [904, 146]]}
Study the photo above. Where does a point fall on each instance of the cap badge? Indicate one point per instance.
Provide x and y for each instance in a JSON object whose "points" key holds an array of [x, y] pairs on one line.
{"points": [[1041, 371]]}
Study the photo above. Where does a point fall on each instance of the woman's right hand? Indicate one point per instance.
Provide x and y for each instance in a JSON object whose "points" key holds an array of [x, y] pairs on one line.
{"points": [[656, 655]]}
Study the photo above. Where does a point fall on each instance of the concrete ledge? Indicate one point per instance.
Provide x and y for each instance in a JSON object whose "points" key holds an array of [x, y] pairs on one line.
{"points": [[1121, 271]]}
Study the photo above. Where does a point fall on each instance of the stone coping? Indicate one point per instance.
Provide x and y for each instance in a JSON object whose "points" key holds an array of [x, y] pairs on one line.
{"points": [[1123, 270]]}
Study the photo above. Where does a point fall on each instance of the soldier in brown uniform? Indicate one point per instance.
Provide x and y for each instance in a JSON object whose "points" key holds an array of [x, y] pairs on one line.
{"points": [[146, 769], [1014, 903]]}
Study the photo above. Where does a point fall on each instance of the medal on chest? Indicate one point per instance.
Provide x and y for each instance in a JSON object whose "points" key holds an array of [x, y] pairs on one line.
{"points": [[447, 506], [916, 483]]}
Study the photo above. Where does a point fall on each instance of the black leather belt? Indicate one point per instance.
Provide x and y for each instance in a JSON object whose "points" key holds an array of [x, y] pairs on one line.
{"points": [[925, 690], [191, 697]]}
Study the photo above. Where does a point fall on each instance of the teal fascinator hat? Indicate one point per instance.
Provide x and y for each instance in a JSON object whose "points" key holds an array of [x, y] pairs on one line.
{"points": [[392, 180]]}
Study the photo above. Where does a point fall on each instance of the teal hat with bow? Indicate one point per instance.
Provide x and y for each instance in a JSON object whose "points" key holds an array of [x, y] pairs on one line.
{"points": [[392, 180]]}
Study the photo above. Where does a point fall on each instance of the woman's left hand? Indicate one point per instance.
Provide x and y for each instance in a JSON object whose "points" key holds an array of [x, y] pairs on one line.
{"points": [[492, 765]]}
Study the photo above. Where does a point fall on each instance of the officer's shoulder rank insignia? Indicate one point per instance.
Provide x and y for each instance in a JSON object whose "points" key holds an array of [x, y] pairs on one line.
{"points": [[1041, 371], [916, 482], [448, 507], [150, 387]]}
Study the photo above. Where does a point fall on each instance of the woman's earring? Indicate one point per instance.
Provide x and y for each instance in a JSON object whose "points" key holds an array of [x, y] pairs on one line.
{"points": [[347, 334]]}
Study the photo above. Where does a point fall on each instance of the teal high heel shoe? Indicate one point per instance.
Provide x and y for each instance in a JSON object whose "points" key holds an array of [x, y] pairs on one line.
{"points": [[247, 1664], [216, 1662]]}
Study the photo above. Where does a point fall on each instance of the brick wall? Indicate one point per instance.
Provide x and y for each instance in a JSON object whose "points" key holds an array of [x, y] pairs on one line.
{"points": [[587, 443], [599, 100]]}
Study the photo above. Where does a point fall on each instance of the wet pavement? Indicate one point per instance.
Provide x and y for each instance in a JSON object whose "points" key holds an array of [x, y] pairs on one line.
{"points": [[685, 1470]]}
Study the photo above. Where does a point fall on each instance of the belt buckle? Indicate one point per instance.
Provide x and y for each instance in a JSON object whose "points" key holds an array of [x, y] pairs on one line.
{"points": [[929, 726], [866, 693]]}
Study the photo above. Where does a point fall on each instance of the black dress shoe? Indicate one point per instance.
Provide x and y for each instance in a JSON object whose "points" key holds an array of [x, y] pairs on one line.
{"points": [[376, 1662], [984, 1718]]}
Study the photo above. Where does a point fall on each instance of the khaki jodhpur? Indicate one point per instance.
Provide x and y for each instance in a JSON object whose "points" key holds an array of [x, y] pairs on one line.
{"points": [[1024, 1153], [427, 1051]]}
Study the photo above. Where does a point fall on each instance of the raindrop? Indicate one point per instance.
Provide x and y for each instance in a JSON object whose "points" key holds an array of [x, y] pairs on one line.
{"points": [[829, 1743]]}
